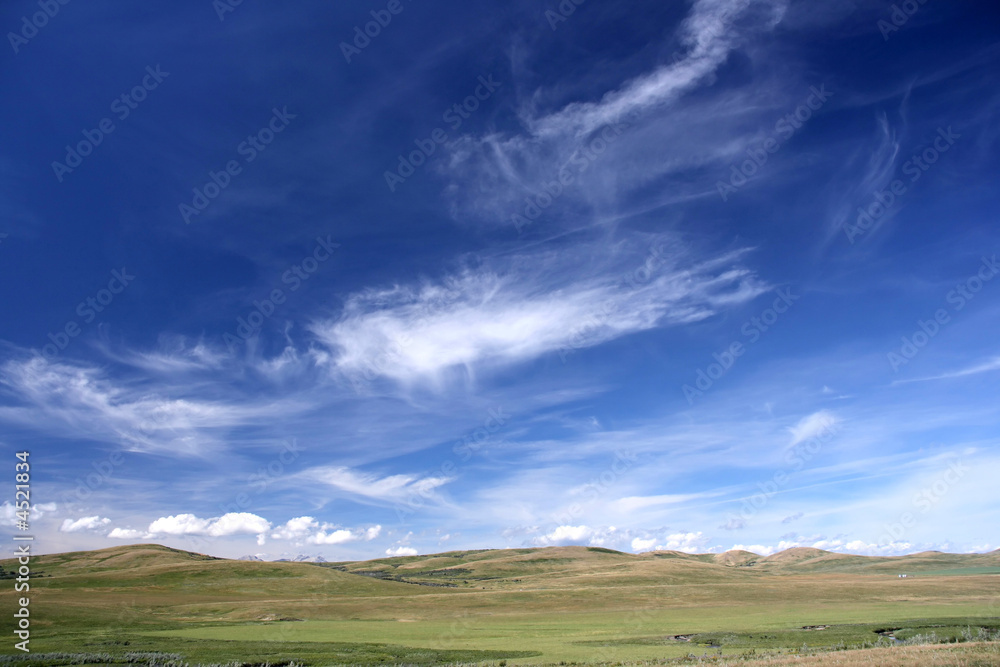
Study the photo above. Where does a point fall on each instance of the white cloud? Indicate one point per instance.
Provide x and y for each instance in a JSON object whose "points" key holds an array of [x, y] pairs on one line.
{"points": [[334, 537], [633, 503], [8, 512], [181, 524], [393, 487], [236, 523], [758, 549], [985, 367], [308, 530], [640, 545], [564, 535], [492, 174], [687, 542], [81, 401], [401, 551], [734, 523], [525, 306], [710, 36], [845, 546], [128, 534], [233, 523], [86, 523], [815, 425], [296, 528]]}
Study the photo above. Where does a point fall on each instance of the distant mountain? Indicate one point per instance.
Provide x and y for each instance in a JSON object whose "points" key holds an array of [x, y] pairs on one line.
{"points": [[256, 558], [301, 559]]}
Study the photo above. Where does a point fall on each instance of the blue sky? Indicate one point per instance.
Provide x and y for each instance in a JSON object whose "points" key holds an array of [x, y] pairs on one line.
{"points": [[679, 275]]}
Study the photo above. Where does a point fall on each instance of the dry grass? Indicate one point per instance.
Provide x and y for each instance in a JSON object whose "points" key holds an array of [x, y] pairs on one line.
{"points": [[963, 655]]}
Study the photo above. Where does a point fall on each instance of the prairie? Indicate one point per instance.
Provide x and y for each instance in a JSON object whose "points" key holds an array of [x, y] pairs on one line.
{"points": [[520, 606]]}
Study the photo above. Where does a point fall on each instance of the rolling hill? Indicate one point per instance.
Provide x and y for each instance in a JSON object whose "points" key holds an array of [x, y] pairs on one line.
{"points": [[560, 602]]}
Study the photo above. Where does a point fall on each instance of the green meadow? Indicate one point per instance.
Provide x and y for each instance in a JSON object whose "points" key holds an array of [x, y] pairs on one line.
{"points": [[519, 606]]}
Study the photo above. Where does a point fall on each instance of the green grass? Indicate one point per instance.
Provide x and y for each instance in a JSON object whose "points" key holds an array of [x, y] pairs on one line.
{"points": [[583, 637], [522, 606]]}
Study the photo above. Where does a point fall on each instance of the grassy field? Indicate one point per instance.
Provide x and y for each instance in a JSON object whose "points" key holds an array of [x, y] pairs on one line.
{"points": [[520, 606]]}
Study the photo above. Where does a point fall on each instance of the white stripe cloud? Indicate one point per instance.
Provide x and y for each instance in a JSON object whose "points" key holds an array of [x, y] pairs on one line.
{"points": [[529, 305], [366, 485], [78, 400]]}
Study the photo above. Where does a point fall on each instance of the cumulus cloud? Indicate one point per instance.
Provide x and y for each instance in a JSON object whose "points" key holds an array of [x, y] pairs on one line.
{"points": [[596, 536], [567, 534], [338, 536], [297, 528], [758, 549], [734, 523], [8, 512], [87, 523], [128, 534], [846, 546], [640, 545], [233, 523], [687, 542], [310, 531], [401, 551]]}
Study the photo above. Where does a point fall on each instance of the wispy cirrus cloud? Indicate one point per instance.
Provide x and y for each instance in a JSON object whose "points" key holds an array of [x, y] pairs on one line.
{"points": [[812, 426], [493, 172], [524, 306], [712, 30], [150, 416], [983, 367], [371, 487]]}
